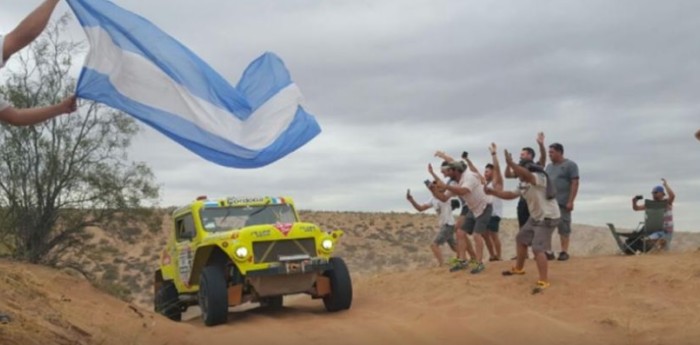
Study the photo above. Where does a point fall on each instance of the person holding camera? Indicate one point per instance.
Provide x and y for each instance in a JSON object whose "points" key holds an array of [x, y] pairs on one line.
{"points": [[491, 240], [469, 187], [658, 193], [446, 221]]}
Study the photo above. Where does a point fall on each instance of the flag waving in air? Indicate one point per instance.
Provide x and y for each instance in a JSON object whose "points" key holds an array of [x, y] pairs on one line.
{"points": [[135, 67]]}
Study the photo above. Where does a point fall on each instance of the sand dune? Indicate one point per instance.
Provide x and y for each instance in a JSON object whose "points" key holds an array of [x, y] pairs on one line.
{"points": [[648, 299]]}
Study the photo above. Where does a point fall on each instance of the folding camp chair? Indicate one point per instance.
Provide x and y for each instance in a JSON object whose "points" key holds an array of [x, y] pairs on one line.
{"points": [[638, 241]]}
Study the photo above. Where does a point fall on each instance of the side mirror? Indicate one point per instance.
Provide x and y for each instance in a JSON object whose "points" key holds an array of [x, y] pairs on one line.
{"points": [[187, 235]]}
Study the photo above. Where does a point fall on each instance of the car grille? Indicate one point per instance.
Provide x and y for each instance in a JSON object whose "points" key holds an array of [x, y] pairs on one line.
{"points": [[270, 251]]}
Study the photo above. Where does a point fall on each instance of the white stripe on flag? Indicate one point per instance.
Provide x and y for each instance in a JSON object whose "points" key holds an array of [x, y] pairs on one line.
{"points": [[142, 81]]}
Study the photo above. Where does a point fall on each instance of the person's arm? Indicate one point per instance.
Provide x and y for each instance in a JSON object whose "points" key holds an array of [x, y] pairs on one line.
{"points": [[418, 207], [456, 189], [444, 156], [519, 171], [501, 194], [509, 172], [475, 170], [497, 177], [437, 194], [543, 151], [435, 176], [669, 191], [637, 207], [25, 117], [573, 190], [28, 29]]}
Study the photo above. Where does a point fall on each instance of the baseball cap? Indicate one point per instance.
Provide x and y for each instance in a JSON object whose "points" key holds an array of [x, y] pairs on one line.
{"points": [[658, 189], [457, 165]]}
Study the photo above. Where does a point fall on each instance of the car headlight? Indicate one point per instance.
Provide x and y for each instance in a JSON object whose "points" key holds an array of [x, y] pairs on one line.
{"points": [[327, 244], [242, 252]]}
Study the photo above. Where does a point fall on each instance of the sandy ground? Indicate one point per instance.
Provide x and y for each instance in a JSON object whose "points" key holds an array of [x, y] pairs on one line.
{"points": [[651, 299]]}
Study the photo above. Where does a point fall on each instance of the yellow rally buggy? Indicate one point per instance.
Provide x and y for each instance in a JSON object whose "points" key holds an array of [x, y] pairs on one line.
{"points": [[222, 253]]}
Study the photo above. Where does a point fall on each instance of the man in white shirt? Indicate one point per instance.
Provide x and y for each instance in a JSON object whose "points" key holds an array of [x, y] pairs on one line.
{"points": [[20, 37], [470, 189], [539, 195], [446, 222], [494, 180]]}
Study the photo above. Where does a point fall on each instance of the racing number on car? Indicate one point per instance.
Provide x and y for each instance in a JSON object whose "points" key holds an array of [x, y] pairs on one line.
{"points": [[185, 265]]}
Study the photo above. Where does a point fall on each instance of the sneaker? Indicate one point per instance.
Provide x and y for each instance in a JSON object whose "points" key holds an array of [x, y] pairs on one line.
{"points": [[472, 263], [550, 255], [513, 271], [453, 261], [495, 258], [563, 256], [459, 265], [479, 267], [540, 286]]}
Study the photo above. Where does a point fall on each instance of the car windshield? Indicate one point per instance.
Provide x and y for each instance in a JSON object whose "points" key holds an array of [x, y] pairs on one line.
{"points": [[230, 218]]}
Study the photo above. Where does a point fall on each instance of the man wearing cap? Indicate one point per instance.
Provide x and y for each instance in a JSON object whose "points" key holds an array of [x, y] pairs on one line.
{"points": [[537, 190], [470, 188], [20, 37], [528, 154], [658, 193]]}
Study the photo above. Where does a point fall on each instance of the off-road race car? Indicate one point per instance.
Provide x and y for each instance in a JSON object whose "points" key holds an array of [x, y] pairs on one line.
{"points": [[226, 252]]}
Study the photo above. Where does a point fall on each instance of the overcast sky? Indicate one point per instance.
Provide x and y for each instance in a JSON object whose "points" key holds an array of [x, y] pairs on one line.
{"points": [[391, 81]]}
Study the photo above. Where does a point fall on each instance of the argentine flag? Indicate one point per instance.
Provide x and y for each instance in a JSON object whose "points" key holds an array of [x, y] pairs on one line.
{"points": [[135, 67]]}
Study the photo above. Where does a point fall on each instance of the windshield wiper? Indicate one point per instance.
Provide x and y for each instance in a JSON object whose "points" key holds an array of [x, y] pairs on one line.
{"points": [[228, 213], [260, 210]]}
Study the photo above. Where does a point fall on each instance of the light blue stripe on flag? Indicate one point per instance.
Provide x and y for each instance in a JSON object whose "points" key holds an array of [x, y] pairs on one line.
{"points": [[135, 67]]}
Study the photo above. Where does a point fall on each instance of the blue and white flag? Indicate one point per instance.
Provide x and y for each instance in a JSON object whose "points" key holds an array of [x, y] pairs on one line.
{"points": [[135, 67]]}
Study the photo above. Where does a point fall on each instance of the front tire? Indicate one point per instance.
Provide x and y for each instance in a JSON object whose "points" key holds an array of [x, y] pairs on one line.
{"points": [[213, 296], [340, 297], [167, 301]]}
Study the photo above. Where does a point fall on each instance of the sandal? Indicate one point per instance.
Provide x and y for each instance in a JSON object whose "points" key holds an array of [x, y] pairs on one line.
{"points": [[513, 271], [540, 286]]}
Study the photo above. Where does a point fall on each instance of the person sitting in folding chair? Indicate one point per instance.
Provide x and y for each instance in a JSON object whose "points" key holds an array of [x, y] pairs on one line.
{"points": [[656, 231], [659, 207]]}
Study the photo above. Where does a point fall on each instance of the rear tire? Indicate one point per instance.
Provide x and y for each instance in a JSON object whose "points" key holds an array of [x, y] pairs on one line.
{"points": [[213, 296], [340, 297], [167, 301]]}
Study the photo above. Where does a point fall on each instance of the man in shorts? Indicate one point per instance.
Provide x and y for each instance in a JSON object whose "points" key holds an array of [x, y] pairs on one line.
{"points": [[528, 154], [446, 222], [494, 180], [564, 174], [470, 189], [536, 188]]}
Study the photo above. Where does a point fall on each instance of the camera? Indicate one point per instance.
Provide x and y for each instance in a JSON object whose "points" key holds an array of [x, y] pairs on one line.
{"points": [[465, 154], [639, 197]]}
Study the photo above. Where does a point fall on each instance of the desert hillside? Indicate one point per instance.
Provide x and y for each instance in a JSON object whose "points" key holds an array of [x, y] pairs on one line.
{"points": [[373, 242], [648, 299], [103, 294]]}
